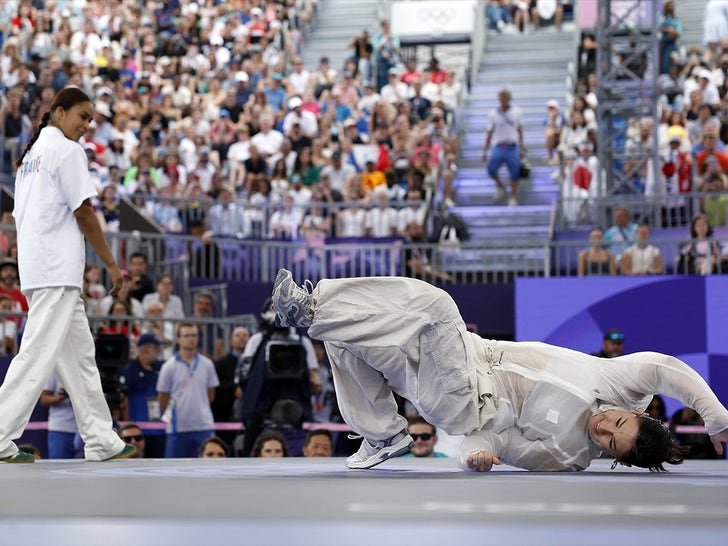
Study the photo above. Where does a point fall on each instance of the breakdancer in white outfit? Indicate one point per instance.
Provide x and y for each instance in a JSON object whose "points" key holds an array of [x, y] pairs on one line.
{"points": [[529, 405]]}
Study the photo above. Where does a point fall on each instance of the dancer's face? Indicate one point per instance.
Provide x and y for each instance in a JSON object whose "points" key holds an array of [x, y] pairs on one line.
{"points": [[614, 431]]}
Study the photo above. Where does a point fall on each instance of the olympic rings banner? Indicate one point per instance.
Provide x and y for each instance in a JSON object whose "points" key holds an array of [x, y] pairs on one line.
{"points": [[433, 18]]}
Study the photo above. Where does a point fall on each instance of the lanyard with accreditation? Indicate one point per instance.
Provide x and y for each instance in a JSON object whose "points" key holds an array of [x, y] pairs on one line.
{"points": [[170, 413]]}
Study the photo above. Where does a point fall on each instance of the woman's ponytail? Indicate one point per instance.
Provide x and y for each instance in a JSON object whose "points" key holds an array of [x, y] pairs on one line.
{"points": [[43, 123]]}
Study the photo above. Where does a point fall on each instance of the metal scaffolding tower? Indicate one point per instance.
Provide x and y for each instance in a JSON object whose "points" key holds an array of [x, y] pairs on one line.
{"points": [[627, 36]]}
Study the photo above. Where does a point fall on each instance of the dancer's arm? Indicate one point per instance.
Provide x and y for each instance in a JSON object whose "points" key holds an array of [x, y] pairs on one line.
{"points": [[656, 373]]}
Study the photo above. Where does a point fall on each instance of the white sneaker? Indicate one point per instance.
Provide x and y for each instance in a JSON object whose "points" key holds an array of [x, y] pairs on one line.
{"points": [[370, 455], [512, 202], [499, 195], [294, 305]]}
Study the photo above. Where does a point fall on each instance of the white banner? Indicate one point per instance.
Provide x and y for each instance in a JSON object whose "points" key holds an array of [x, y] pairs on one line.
{"points": [[433, 18]]}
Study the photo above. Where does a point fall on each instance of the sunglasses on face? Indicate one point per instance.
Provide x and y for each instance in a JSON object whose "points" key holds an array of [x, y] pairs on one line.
{"points": [[133, 438], [426, 436]]}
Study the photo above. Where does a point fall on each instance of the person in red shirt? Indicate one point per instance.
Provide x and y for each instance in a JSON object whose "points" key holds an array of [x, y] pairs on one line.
{"points": [[710, 140], [411, 74], [437, 74], [9, 286]]}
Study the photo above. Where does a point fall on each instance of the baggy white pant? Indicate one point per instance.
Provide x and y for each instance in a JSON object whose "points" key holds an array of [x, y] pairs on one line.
{"points": [[57, 338], [385, 334]]}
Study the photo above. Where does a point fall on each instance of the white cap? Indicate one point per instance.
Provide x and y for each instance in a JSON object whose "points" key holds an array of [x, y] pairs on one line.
{"points": [[553, 103], [241, 76], [294, 102], [103, 109]]}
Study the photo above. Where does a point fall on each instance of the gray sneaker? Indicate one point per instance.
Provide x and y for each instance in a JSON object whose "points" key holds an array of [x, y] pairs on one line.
{"points": [[293, 304], [370, 455]]}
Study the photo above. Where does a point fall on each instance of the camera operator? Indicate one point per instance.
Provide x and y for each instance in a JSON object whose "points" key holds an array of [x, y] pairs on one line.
{"points": [[277, 364], [140, 377]]}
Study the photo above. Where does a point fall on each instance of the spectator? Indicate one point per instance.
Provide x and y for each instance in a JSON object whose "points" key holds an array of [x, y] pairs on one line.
{"points": [[338, 172], [642, 258], [554, 123], [62, 427], [596, 260], [210, 342], [132, 434], [425, 436], [381, 220], [141, 282], [186, 387], [700, 445], [497, 14], [318, 443], [270, 445], [226, 367], [546, 11], [699, 256], [124, 295], [214, 448], [657, 409], [9, 281], [8, 327], [622, 234], [226, 218], [386, 47], [613, 344], [670, 31], [713, 180], [505, 133], [171, 302], [715, 27]]}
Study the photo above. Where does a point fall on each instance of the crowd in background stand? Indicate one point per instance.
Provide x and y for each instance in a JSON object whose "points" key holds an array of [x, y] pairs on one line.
{"points": [[206, 117]]}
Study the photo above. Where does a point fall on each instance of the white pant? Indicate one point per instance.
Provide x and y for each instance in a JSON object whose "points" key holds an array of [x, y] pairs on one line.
{"points": [[385, 334], [57, 338]]}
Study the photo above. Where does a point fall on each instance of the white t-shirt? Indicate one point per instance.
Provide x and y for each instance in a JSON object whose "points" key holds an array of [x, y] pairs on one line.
{"points": [[50, 185], [505, 125]]}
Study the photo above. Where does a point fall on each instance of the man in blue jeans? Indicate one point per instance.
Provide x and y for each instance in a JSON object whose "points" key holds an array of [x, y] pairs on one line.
{"points": [[503, 144]]}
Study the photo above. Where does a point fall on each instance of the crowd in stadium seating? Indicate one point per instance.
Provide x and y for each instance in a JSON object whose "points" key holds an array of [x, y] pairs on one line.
{"points": [[201, 103], [208, 120]]}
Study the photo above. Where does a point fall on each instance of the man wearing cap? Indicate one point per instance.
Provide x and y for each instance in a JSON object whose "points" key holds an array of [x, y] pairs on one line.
{"points": [[306, 119], [554, 124], [242, 89], [140, 377], [613, 344]]}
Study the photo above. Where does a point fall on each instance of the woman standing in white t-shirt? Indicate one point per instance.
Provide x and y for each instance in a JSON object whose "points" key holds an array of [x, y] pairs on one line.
{"points": [[53, 214]]}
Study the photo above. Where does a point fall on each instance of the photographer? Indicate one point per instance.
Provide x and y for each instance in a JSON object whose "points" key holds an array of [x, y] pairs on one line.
{"points": [[277, 364], [140, 377]]}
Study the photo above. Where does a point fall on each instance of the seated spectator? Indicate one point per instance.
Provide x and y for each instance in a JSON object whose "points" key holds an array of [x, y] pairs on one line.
{"points": [[700, 445], [415, 211], [305, 168], [547, 11], [699, 256], [62, 427], [657, 409], [497, 13], [93, 290], [372, 177], [9, 286], [554, 124], [270, 445], [141, 281], [316, 223], [338, 172], [285, 222], [642, 258], [425, 436], [165, 212], [622, 234], [8, 327], [226, 218], [696, 128], [351, 220], [121, 308], [132, 434], [416, 259], [381, 220], [162, 330], [713, 180], [171, 302], [596, 260], [214, 448], [124, 295], [318, 443]]}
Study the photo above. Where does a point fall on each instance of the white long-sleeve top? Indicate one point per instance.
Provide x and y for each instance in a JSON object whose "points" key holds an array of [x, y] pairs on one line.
{"points": [[546, 395]]}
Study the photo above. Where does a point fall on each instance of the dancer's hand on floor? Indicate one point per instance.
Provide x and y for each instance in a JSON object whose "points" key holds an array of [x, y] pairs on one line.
{"points": [[482, 461]]}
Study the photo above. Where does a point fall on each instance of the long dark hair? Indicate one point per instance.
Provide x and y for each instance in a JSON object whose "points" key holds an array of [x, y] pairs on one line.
{"points": [[66, 98], [653, 446]]}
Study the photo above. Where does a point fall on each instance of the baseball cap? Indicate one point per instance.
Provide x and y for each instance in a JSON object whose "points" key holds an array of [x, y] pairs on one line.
{"points": [[146, 339], [553, 103], [294, 102], [614, 335]]}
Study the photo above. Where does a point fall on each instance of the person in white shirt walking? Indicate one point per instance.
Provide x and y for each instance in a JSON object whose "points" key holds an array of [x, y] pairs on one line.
{"points": [[530, 405], [53, 213], [505, 133]]}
